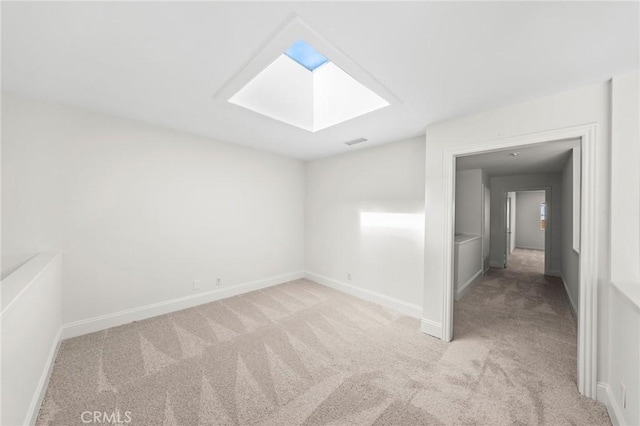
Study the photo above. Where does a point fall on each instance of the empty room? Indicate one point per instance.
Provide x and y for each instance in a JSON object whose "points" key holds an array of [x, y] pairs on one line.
{"points": [[320, 213]]}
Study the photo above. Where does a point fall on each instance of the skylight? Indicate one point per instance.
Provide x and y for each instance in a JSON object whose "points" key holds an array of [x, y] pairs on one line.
{"points": [[303, 87], [306, 55]]}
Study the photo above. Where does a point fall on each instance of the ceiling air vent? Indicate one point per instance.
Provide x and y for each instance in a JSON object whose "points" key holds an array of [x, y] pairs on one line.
{"points": [[355, 141]]}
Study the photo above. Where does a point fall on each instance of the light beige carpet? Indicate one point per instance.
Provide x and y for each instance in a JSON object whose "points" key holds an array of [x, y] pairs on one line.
{"points": [[526, 261], [303, 354]]}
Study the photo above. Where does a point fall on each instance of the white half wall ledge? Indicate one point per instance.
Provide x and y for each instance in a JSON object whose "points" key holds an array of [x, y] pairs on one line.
{"points": [[605, 395], [91, 325], [431, 328], [31, 320], [630, 290], [19, 281], [400, 306]]}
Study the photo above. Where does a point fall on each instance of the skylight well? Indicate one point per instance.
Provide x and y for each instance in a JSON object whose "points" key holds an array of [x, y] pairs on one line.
{"points": [[304, 88]]}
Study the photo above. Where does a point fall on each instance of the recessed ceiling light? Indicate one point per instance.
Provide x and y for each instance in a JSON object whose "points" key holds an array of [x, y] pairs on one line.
{"points": [[513, 154]]}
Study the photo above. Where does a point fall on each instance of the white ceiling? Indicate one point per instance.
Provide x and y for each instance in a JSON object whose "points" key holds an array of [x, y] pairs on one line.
{"points": [[162, 62], [546, 157]]}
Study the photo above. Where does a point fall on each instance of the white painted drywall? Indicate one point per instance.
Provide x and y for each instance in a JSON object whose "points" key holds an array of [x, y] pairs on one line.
{"points": [[469, 202], [31, 185], [467, 261], [141, 212], [283, 91], [385, 255], [570, 259], [624, 350], [625, 180], [31, 326], [486, 233], [575, 108], [624, 368], [528, 232]]}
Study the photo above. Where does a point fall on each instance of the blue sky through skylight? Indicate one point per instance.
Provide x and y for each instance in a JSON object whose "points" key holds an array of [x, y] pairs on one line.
{"points": [[305, 55]]}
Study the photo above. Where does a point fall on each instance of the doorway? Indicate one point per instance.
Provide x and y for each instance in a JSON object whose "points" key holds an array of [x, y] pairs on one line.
{"points": [[508, 246], [526, 229], [587, 276]]}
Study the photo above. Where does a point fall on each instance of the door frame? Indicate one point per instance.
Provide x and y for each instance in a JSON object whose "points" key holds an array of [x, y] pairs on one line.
{"points": [[485, 236], [588, 300], [548, 193], [507, 228]]}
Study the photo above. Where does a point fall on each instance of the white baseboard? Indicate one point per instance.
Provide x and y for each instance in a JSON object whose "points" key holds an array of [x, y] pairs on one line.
{"points": [[493, 264], [401, 306], [467, 286], [43, 383], [103, 322], [566, 289], [530, 248], [554, 274], [431, 328], [604, 395]]}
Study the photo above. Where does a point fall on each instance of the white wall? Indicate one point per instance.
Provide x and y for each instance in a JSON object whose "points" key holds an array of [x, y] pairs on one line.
{"points": [[625, 178], [141, 212], [384, 256], [31, 185], [486, 220], [574, 108], [624, 358], [624, 350], [570, 258], [502, 184], [511, 198], [31, 327], [469, 220], [469, 202], [486, 232], [467, 263], [528, 232]]}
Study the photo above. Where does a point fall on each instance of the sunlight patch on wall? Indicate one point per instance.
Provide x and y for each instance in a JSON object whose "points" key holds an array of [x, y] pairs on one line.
{"points": [[410, 221]]}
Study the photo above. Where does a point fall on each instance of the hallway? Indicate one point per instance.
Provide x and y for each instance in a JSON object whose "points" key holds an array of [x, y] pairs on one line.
{"points": [[519, 326], [527, 261]]}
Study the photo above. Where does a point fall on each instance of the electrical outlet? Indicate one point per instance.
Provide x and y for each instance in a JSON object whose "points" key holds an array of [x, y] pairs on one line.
{"points": [[349, 276], [196, 284], [218, 282], [623, 395]]}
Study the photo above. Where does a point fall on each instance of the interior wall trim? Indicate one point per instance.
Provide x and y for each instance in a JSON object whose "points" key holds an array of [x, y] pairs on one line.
{"points": [[401, 306], [605, 395], [431, 328], [588, 303], [103, 322], [571, 301]]}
